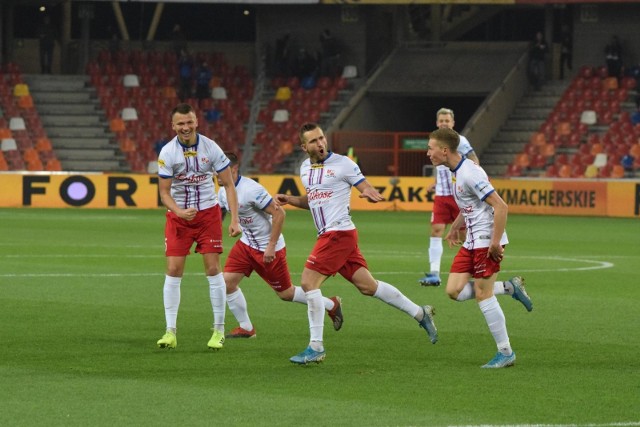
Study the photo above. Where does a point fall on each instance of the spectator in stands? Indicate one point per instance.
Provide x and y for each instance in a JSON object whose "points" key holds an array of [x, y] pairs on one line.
{"points": [[330, 54], [47, 38], [537, 60], [635, 117], [627, 162], [566, 50], [178, 39], [613, 57], [159, 144], [306, 64], [185, 66], [203, 77], [635, 73], [350, 153], [114, 39], [282, 56]]}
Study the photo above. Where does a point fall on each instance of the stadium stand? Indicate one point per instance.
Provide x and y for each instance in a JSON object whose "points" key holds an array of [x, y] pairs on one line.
{"points": [[20, 124], [589, 130], [287, 103], [152, 94]]}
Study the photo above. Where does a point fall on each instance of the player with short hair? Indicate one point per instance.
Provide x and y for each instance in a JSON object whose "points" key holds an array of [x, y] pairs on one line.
{"points": [[328, 178], [484, 214], [262, 249], [186, 165], [445, 209]]}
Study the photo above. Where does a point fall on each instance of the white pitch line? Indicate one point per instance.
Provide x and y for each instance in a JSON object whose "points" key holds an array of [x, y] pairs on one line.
{"points": [[594, 265]]}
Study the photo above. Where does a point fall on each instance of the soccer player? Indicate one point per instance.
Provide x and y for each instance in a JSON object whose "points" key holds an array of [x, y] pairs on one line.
{"points": [[485, 215], [445, 209], [185, 167], [261, 249], [328, 178]]}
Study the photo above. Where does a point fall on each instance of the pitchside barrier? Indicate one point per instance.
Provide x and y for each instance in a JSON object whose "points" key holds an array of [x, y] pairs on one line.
{"points": [[614, 198]]}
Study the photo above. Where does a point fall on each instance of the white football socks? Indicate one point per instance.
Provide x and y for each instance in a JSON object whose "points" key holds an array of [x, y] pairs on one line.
{"points": [[238, 307], [218, 296], [300, 297], [435, 254], [315, 312], [392, 296], [171, 297], [499, 288], [495, 319]]}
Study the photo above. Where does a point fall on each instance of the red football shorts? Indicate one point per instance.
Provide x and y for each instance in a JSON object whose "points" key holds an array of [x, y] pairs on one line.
{"points": [[475, 262], [245, 259], [336, 252], [445, 210], [205, 229]]}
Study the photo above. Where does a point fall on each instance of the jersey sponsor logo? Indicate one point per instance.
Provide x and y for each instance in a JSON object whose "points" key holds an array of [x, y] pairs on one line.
{"points": [[246, 220], [313, 195], [192, 179]]}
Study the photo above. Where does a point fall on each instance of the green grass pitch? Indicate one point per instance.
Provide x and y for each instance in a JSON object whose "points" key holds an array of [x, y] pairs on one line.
{"points": [[81, 309]]}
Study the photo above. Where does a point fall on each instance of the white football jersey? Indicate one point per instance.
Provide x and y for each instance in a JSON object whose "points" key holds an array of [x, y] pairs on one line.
{"points": [[328, 186], [472, 187], [444, 186], [253, 198], [191, 170]]}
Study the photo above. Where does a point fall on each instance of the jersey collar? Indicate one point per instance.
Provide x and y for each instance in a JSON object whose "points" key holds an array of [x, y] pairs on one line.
{"points": [[189, 146], [458, 166]]}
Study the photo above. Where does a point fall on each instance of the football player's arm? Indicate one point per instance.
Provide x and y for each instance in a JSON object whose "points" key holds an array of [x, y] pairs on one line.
{"points": [[500, 210], [297, 201], [454, 235], [164, 188], [432, 187], [367, 191], [277, 222], [472, 156], [232, 202]]}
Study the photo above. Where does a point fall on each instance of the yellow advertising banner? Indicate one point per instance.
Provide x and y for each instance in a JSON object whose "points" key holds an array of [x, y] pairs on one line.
{"points": [[617, 198], [81, 190]]}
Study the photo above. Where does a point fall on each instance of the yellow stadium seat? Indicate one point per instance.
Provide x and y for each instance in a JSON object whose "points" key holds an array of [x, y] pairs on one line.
{"points": [[591, 171], [21, 89], [283, 93]]}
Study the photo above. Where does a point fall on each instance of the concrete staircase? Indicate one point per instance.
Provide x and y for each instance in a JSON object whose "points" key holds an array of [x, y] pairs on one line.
{"points": [[530, 113], [74, 122]]}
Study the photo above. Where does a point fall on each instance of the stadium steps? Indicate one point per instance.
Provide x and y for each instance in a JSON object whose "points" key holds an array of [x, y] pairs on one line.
{"points": [[73, 121], [526, 118]]}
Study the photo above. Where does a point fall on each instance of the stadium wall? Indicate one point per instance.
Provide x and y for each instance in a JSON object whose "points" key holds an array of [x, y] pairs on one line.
{"points": [[613, 198]]}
